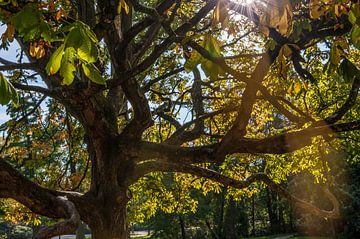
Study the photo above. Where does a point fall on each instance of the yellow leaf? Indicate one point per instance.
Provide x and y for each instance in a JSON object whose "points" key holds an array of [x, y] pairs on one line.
{"points": [[32, 49], [286, 51], [277, 14], [52, 71], [289, 90], [265, 30], [221, 14], [297, 87], [58, 15], [123, 4], [317, 8], [10, 30]]}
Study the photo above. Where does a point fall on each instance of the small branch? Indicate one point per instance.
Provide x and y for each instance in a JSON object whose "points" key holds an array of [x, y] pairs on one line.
{"points": [[34, 88], [181, 130], [19, 121], [20, 66], [152, 12], [146, 87]]}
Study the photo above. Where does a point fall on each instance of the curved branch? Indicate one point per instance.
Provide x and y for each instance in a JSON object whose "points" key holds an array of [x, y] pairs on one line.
{"points": [[64, 227], [43, 201], [350, 102], [148, 167]]}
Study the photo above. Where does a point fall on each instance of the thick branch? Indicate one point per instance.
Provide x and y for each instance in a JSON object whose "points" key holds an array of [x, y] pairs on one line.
{"points": [[142, 115], [64, 227], [278, 144], [238, 129], [36, 198]]}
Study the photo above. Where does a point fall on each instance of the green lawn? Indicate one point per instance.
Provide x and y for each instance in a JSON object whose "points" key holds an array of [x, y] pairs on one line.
{"points": [[298, 237], [282, 235]]}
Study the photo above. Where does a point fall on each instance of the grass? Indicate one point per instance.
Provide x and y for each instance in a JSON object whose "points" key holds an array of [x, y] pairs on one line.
{"points": [[281, 235], [298, 237]]}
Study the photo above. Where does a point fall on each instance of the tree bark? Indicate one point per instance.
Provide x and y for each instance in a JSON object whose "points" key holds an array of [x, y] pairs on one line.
{"points": [[112, 226]]}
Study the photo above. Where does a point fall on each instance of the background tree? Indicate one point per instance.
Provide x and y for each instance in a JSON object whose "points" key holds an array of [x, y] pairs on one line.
{"points": [[127, 75]]}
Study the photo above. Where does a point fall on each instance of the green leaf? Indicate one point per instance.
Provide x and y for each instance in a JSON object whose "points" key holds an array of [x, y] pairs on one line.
{"points": [[28, 17], [83, 40], [354, 14], [355, 36], [55, 61], [74, 38], [212, 46], [211, 69], [348, 70], [67, 69], [7, 92], [93, 73], [192, 61], [30, 24], [87, 51]]}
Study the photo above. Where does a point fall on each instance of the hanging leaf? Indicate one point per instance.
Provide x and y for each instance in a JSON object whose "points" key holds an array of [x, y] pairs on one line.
{"points": [[297, 88], [221, 14], [67, 69], [354, 14], [87, 51], [84, 41], [74, 37], [348, 70], [192, 61], [284, 53], [123, 4], [93, 74], [277, 14], [36, 50], [355, 36], [210, 68], [7, 92], [338, 49], [8, 35], [55, 61]]}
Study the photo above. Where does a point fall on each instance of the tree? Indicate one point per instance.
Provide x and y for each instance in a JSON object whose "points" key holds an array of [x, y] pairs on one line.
{"points": [[128, 72]]}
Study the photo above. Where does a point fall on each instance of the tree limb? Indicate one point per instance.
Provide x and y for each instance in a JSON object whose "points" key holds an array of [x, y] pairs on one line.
{"points": [[64, 227], [148, 167], [278, 144]]}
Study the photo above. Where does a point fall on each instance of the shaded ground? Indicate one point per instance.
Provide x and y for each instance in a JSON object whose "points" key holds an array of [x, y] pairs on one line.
{"points": [[135, 234]]}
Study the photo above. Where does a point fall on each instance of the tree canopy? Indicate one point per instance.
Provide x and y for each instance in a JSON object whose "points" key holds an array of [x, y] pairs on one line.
{"points": [[105, 97]]}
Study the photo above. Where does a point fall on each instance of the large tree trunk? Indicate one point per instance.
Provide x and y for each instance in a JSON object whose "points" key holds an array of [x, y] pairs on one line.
{"points": [[109, 193], [112, 226]]}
